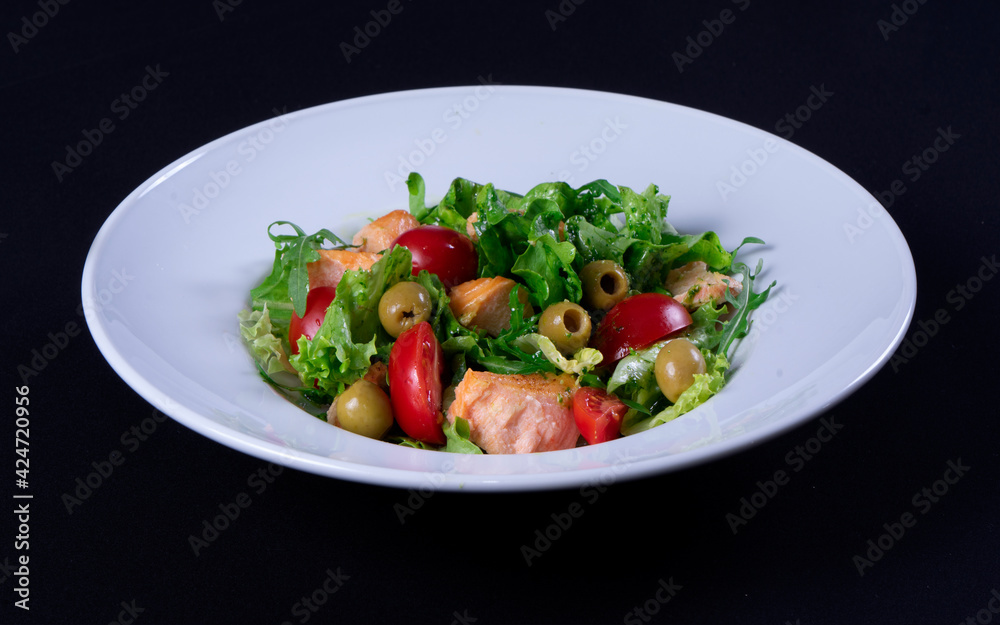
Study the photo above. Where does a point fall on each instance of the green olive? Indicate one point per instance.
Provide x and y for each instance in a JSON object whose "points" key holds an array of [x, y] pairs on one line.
{"points": [[364, 409], [605, 284], [676, 364], [403, 306], [567, 324]]}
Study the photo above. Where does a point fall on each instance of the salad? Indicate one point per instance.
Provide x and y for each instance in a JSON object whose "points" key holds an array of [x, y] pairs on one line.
{"points": [[502, 323]]}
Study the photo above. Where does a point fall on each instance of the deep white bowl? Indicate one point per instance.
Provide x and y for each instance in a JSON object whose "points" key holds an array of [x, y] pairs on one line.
{"points": [[173, 265]]}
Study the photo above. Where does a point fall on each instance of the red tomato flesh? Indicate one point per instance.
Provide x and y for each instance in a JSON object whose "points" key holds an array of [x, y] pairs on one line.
{"points": [[317, 301], [598, 415], [637, 322], [442, 251], [415, 365]]}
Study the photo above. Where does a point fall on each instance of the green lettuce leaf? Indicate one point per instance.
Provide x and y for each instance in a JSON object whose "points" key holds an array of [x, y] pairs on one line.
{"points": [[583, 360], [351, 334], [258, 334], [705, 386], [457, 435], [547, 269]]}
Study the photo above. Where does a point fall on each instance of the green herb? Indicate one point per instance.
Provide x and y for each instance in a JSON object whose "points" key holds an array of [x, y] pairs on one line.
{"points": [[747, 301], [286, 288]]}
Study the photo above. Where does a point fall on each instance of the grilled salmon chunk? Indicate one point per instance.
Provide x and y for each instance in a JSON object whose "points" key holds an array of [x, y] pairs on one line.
{"points": [[379, 234], [693, 285], [330, 268], [485, 303], [517, 414]]}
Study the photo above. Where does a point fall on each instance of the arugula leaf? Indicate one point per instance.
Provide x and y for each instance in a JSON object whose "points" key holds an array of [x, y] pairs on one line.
{"points": [[705, 330], [286, 288], [748, 300]]}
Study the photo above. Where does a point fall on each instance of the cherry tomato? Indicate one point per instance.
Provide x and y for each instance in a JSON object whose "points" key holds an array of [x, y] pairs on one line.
{"points": [[637, 322], [415, 364], [317, 301], [442, 251], [598, 415]]}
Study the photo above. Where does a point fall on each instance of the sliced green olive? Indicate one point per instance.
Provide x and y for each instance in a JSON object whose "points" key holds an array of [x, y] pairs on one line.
{"points": [[364, 409], [403, 306], [676, 365], [567, 325], [605, 284]]}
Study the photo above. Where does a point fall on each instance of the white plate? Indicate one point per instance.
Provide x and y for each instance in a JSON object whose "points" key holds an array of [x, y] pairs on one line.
{"points": [[174, 262]]}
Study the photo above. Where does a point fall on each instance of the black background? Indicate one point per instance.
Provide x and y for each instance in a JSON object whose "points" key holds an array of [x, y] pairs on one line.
{"points": [[460, 555]]}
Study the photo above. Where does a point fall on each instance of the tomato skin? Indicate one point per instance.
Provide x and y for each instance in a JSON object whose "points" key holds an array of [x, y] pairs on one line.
{"points": [[415, 365], [317, 301], [637, 322], [598, 414], [442, 251]]}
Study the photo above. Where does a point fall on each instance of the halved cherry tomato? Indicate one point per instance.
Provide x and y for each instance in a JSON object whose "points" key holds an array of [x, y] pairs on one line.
{"points": [[317, 301], [442, 251], [637, 322], [598, 415], [415, 364]]}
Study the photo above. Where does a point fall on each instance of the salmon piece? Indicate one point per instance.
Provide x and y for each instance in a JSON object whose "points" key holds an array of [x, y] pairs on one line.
{"points": [[377, 375], [379, 234], [693, 285], [517, 414], [330, 268], [485, 303], [470, 228]]}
